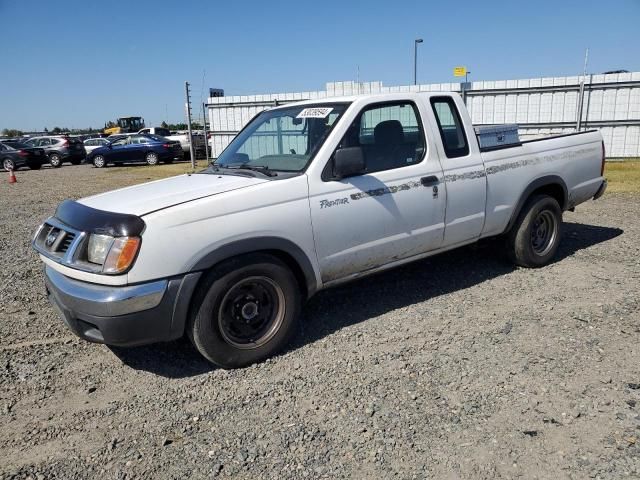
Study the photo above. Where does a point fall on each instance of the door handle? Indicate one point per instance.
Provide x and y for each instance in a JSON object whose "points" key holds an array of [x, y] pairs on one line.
{"points": [[429, 181]]}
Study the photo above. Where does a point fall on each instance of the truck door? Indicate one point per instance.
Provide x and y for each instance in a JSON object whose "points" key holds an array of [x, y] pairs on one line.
{"points": [[464, 172], [394, 210]]}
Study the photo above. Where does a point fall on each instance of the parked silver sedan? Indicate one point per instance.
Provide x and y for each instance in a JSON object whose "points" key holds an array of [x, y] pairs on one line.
{"points": [[91, 144]]}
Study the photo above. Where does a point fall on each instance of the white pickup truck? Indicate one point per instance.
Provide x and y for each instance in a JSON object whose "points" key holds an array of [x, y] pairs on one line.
{"points": [[182, 137], [307, 196]]}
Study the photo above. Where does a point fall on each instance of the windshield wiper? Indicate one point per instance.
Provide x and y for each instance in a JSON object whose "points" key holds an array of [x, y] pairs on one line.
{"points": [[265, 170]]}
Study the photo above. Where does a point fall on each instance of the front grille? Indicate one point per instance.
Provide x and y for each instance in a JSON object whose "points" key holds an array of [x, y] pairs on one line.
{"points": [[54, 240], [66, 242]]}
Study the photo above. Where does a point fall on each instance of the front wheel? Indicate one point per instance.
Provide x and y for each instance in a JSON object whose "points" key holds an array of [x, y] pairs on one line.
{"points": [[246, 310], [535, 237], [55, 160], [151, 158], [8, 164], [99, 161]]}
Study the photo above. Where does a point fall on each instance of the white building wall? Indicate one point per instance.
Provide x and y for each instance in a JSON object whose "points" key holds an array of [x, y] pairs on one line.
{"points": [[611, 102]]}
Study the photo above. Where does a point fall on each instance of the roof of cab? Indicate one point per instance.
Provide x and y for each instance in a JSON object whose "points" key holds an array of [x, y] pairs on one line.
{"points": [[377, 96]]}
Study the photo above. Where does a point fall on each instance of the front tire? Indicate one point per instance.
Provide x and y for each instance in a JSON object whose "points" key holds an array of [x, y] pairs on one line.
{"points": [[535, 237], [151, 158], [55, 160], [245, 311], [8, 164], [99, 161]]}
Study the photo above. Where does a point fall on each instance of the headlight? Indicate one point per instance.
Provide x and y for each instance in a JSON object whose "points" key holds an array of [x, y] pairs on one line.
{"points": [[114, 254], [98, 248]]}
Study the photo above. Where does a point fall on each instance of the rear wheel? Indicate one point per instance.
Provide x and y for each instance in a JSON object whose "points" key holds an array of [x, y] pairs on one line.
{"points": [[8, 164], [55, 160], [99, 161], [535, 237], [245, 311], [151, 158]]}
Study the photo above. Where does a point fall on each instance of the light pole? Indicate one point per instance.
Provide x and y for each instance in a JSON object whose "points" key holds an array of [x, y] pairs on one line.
{"points": [[415, 60]]}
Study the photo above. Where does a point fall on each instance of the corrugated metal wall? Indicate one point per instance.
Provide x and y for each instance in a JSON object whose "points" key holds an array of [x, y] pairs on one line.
{"points": [[541, 106]]}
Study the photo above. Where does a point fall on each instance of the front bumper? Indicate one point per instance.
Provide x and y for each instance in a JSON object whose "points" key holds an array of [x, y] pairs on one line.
{"points": [[123, 316]]}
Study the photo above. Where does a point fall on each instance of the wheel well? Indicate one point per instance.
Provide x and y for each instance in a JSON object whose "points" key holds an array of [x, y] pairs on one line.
{"points": [[294, 266], [552, 186], [553, 190], [284, 257]]}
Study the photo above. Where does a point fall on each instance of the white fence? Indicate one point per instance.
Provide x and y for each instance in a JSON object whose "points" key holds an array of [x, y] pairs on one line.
{"points": [[540, 106]]}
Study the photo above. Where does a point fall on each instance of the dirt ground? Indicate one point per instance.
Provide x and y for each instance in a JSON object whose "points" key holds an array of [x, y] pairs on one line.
{"points": [[459, 366]]}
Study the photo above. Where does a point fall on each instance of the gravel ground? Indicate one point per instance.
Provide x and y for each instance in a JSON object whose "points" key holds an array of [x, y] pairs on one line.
{"points": [[460, 366]]}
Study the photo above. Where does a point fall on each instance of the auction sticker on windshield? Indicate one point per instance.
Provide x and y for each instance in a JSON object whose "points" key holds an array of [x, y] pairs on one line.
{"points": [[315, 112]]}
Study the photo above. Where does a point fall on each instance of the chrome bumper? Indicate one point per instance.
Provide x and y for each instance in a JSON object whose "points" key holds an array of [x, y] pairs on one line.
{"points": [[123, 316], [104, 300]]}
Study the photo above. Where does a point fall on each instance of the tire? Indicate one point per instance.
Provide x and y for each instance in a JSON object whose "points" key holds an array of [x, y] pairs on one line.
{"points": [[34, 165], [55, 160], [228, 324], [8, 164], [535, 237], [99, 161], [152, 158]]}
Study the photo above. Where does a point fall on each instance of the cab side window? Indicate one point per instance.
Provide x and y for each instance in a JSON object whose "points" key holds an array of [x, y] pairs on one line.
{"points": [[389, 134], [452, 133]]}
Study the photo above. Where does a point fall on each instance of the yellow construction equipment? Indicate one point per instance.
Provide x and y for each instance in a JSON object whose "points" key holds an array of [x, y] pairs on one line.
{"points": [[124, 125]]}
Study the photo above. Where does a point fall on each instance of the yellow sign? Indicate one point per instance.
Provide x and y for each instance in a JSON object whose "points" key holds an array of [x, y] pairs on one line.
{"points": [[459, 71]]}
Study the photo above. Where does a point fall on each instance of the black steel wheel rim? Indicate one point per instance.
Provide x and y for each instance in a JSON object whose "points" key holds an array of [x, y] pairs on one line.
{"points": [[251, 312], [543, 232]]}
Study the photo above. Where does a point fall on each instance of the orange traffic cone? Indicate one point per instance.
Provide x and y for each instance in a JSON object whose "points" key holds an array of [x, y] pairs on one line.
{"points": [[12, 177]]}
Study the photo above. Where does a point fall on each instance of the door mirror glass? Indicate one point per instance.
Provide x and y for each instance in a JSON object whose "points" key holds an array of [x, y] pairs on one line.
{"points": [[348, 162]]}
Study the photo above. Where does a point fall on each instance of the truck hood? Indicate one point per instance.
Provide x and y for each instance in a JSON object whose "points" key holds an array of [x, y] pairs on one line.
{"points": [[153, 196]]}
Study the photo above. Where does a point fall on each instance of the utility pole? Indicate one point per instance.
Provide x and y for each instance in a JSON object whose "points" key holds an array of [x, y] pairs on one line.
{"points": [[204, 126], [415, 60], [188, 109]]}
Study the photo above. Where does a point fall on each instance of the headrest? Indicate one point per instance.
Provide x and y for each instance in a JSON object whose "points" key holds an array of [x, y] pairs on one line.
{"points": [[388, 132]]}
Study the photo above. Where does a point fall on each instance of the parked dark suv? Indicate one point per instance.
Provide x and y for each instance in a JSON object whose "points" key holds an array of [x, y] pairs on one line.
{"points": [[60, 149]]}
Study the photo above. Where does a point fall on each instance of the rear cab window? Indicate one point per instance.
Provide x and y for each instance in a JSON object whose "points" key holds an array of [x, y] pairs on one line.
{"points": [[454, 138]]}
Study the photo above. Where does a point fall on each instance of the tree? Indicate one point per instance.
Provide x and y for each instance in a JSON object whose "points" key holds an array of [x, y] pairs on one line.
{"points": [[46, 130], [164, 125], [12, 132]]}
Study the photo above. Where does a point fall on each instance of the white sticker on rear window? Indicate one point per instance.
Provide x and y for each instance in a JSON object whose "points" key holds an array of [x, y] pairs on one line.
{"points": [[315, 112]]}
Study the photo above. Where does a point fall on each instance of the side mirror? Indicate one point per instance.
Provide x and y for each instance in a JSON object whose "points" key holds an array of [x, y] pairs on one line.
{"points": [[348, 162]]}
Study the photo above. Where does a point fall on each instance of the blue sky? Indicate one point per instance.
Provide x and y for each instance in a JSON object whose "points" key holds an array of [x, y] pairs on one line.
{"points": [[80, 63]]}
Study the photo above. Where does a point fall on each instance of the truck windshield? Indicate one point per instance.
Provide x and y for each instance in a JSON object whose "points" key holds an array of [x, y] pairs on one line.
{"points": [[284, 139]]}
